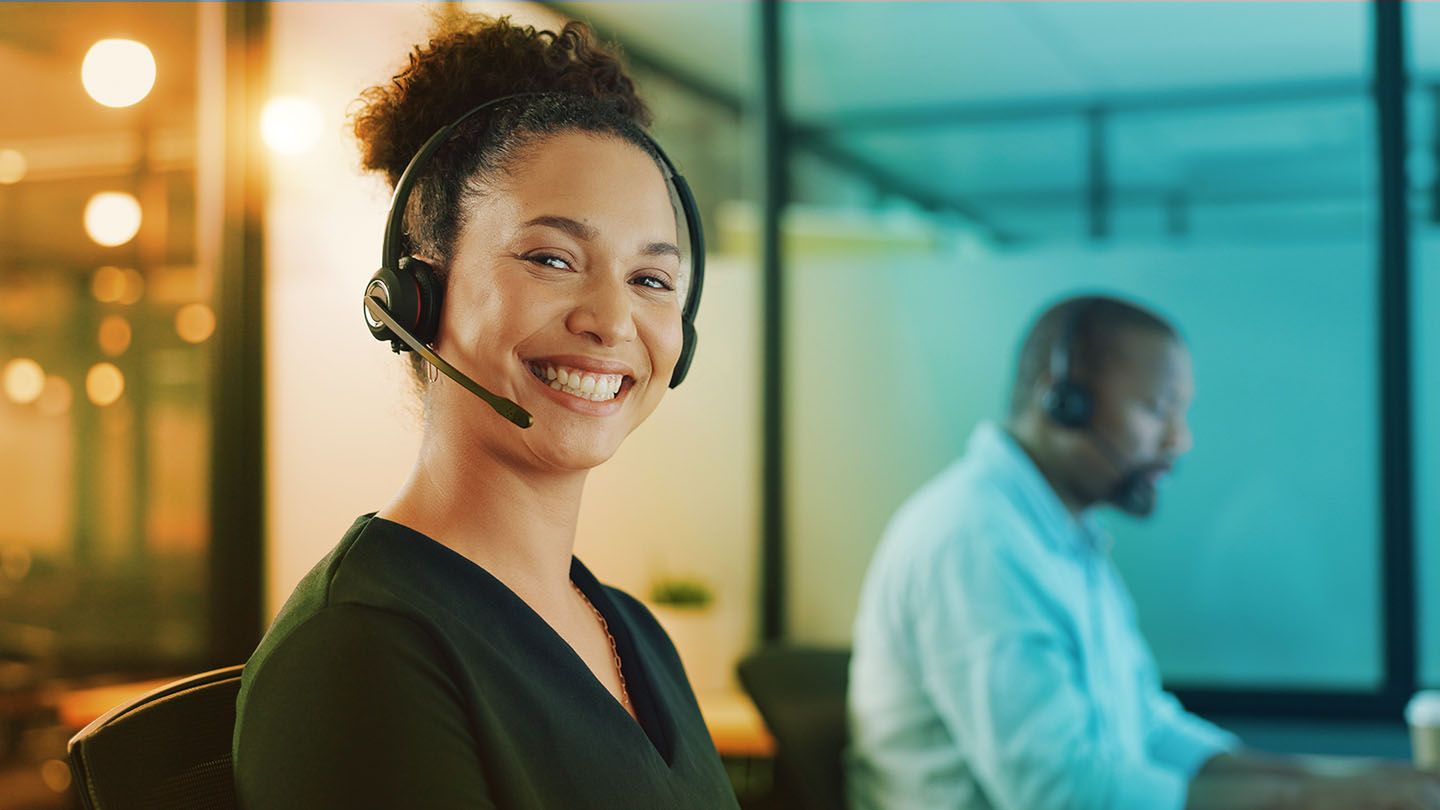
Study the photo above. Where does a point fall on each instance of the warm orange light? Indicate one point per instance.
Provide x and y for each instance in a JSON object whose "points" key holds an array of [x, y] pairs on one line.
{"points": [[23, 380], [104, 384], [195, 323], [12, 167], [290, 125], [55, 774], [118, 72], [114, 335], [56, 398], [112, 218], [132, 288], [15, 561], [107, 284]]}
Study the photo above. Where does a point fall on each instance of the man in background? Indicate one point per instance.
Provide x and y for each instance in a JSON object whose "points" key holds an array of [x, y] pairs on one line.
{"points": [[998, 664]]}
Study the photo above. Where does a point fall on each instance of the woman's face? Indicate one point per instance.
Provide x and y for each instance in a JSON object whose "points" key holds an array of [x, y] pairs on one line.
{"points": [[562, 296]]}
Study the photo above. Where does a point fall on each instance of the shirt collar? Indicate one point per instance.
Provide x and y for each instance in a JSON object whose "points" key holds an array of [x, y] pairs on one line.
{"points": [[1015, 472]]}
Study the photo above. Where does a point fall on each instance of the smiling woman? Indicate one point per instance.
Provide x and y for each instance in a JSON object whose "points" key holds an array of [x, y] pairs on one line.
{"points": [[451, 650]]}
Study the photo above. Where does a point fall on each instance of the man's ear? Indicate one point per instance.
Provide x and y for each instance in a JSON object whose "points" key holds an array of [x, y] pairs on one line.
{"points": [[1043, 383]]}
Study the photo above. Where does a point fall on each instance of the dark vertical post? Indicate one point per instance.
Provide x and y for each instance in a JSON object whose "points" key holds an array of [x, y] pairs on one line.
{"points": [[1397, 483], [237, 502], [772, 294], [1097, 174], [1435, 152]]}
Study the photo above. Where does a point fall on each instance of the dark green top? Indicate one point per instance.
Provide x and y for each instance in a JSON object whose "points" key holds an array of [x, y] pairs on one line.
{"points": [[400, 674]]}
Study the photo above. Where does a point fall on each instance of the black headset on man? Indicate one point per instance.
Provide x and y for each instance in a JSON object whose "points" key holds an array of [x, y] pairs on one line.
{"points": [[403, 300], [1071, 405]]}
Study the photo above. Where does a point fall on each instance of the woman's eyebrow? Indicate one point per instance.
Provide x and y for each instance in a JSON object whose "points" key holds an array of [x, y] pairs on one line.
{"points": [[580, 230], [660, 249], [575, 228]]}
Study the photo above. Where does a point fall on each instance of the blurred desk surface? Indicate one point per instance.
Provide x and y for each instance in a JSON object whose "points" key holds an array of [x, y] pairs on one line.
{"points": [[735, 724], [733, 720], [77, 708]]}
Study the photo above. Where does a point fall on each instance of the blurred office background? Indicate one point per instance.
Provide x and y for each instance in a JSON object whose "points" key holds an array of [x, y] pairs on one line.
{"points": [[192, 413]]}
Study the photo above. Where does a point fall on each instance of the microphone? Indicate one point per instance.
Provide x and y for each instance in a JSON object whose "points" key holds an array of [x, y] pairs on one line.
{"points": [[1132, 493], [1115, 457], [517, 415]]}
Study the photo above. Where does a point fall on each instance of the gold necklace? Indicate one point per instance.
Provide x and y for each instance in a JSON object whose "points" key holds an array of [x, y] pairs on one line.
{"points": [[604, 625]]}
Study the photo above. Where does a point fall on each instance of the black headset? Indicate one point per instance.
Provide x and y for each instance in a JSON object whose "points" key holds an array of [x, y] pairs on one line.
{"points": [[1068, 401], [403, 299]]}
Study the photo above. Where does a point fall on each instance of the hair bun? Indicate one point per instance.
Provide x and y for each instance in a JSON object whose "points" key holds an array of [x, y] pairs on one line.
{"points": [[470, 60]]}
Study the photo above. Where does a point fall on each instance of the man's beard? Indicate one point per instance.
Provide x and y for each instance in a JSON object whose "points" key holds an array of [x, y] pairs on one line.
{"points": [[1134, 494]]}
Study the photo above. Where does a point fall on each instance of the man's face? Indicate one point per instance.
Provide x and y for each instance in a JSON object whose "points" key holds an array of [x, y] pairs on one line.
{"points": [[1141, 397]]}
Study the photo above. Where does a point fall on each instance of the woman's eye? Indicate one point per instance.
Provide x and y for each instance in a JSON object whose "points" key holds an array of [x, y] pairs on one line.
{"points": [[653, 282], [549, 260]]}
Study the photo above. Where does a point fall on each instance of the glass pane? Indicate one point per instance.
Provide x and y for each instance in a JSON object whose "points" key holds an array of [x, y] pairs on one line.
{"points": [[1424, 49], [1250, 224], [106, 326]]}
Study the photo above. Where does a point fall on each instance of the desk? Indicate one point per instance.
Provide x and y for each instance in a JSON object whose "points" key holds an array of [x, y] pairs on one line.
{"points": [[77, 708], [735, 725]]}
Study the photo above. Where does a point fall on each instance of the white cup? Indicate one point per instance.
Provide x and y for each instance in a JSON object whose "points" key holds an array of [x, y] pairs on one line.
{"points": [[1422, 714]]}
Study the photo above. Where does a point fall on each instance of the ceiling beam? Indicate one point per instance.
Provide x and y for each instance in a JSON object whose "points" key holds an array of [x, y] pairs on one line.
{"points": [[963, 113], [888, 182]]}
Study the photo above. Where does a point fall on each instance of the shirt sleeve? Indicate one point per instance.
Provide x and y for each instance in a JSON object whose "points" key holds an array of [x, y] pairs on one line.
{"points": [[355, 709], [1003, 675]]}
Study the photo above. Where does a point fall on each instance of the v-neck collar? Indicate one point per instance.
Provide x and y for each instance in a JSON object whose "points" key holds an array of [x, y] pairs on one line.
{"points": [[463, 572], [657, 726]]}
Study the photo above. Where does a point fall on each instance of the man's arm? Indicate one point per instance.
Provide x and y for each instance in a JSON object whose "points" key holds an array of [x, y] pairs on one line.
{"points": [[1003, 674]]}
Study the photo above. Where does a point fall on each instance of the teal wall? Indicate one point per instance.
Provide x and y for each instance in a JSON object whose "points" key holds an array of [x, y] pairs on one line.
{"points": [[1261, 566]]}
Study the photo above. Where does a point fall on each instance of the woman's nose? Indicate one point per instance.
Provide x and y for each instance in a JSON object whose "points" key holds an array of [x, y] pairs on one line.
{"points": [[603, 311]]}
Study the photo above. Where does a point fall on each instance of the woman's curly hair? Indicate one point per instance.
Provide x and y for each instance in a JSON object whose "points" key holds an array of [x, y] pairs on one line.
{"points": [[469, 61], [475, 59]]}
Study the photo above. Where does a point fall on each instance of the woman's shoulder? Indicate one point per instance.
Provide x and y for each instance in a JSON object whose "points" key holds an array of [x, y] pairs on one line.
{"points": [[332, 618]]}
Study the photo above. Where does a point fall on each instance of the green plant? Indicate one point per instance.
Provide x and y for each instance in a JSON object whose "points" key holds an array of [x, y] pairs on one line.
{"points": [[681, 592]]}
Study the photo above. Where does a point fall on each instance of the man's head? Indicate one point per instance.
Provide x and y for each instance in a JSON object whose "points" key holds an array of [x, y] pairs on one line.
{"points": [[1099, 401]]}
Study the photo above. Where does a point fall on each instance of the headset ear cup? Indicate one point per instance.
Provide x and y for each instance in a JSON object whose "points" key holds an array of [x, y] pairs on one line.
{"points": [[429, 296], [687, 353], [1068, 404], [391, 292]]}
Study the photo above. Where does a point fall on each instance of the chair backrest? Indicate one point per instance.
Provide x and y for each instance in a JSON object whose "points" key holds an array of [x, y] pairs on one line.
{"points": [[166, 750], [800, 692]]}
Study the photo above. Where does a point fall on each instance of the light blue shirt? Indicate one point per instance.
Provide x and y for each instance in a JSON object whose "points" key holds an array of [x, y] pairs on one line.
{"points": [[998, 663]]}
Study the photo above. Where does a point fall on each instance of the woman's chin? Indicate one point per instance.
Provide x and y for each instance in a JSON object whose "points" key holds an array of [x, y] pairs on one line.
{"points": [[574, 453]]}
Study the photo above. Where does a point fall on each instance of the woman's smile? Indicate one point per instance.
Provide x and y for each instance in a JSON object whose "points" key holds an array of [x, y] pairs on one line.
{"points": [[583, 383]]}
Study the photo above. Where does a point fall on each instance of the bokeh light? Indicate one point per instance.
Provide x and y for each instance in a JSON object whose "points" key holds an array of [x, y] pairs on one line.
{"points": [[23, 380], [104, 383], [56, 398], [195, 323], [12, 167], [290, 125], [132, 288], [114, 335], [118, 72], [55, 773], [112, 218], [107, 284]]}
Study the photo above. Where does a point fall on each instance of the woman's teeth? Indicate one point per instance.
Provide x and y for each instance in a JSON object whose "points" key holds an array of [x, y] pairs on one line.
{"points": [[583, 384]]}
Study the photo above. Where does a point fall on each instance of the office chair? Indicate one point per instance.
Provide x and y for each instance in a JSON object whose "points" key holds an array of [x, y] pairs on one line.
{"points": [[165, 750], [800, 692]]}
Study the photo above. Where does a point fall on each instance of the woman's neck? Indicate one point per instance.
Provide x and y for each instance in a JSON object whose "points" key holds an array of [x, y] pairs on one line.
{"points": [[517, 523]]}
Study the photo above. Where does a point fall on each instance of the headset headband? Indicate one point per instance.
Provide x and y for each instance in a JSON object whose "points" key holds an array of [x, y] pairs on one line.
{"points": [[395, 224]]}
